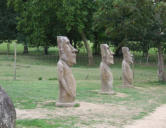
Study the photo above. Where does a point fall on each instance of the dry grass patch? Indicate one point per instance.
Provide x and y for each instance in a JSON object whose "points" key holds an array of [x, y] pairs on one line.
{"points": [[92, 114]]}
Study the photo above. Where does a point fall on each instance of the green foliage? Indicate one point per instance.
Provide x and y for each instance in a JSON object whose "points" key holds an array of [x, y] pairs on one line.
{"points": [[53, 78], [159, 25], [124, 20], [136, 24], [51, 123], [7, 22], [40, 78], [39, 22], [77, 105], [77, 15]]}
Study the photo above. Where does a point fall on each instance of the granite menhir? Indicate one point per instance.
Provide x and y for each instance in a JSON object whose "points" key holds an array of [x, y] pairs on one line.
{"points": [[7, 111]]}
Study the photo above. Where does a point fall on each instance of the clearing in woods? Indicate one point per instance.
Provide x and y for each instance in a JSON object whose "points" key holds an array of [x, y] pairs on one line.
{"points": [[35, 92]]}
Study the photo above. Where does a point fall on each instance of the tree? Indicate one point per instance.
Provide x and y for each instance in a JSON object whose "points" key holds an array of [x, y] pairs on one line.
{"points": [[37, 22], [139, 24], [159, 34], [42, 21], [124, 21], [7, 23], [77, 16], [113, 17]]}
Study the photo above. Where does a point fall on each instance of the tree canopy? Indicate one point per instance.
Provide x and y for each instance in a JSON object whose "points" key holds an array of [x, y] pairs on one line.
{"points": [[7, 22], [138, 24]]}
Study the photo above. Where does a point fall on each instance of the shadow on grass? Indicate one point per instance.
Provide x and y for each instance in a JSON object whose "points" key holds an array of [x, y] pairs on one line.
{"points": [[154, 83]]}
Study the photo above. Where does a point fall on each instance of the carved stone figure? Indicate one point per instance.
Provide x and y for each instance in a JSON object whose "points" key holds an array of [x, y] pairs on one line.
{"points": [[7, 111], [127, 73], [67, 83], [105, 73]]}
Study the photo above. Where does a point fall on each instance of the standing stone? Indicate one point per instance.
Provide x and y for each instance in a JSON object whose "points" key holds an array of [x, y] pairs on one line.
{"points": [[67, 83], [7, 111], [127, 73], [105, 73]]}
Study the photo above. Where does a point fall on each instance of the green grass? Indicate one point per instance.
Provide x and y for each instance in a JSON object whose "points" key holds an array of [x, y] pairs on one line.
{"points": [[52, 123], [38, 53], [37, 83]]}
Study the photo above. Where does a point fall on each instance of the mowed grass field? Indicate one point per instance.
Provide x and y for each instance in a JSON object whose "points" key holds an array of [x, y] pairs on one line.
{"points": [[35, 93]]}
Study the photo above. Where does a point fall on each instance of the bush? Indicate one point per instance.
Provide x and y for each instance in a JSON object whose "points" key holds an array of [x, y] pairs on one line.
{"points": [[40, 78]]}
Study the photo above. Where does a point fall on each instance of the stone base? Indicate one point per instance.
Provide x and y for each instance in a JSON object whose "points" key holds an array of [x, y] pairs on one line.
{"points": [[72, 104], [104, 93]]}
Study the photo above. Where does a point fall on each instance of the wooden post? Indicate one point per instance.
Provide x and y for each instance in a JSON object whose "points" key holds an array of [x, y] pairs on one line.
{"points": [[8, 48], [133, 67], [15, 60]]}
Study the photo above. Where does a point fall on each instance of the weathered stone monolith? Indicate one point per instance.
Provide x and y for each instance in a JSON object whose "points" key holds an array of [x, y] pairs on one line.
{"points": [[105, 72], [67, 83], [7, 111], [127, 73]]}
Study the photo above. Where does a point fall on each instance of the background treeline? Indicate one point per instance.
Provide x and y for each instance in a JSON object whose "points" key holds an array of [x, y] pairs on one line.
{"points": [[138, 24]]}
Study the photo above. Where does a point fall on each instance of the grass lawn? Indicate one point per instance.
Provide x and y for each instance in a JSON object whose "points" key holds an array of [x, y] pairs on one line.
{"points": [[36, 90]]}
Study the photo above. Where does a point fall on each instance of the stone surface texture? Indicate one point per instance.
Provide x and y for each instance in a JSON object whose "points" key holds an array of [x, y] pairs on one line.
{"points": [[7, 111], [105, 72], [67, 83], [127, 73]]}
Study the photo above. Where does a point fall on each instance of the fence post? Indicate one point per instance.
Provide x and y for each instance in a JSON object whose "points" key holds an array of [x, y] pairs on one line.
{"points": [[133, 67], [15, 54]]}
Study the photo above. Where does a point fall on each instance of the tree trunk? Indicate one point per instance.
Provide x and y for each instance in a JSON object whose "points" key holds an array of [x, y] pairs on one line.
{"points": [[38, 50], [96, 48], [15, 56], [25, 49], [8, 48], [90, 56], [145, 53], [161, 72], [46, 50], [75, 44], [118, 51]]}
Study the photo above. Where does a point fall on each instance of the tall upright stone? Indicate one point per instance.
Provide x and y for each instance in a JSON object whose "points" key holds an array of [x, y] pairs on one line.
{"points": [[7, 111], [127, 73], [67, 83], [105, 72]]}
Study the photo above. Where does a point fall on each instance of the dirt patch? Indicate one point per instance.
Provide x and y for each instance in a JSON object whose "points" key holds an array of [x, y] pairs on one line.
{"points": [[155, 88], [38, 113], [156, 119], [84, 109], [140, 88], [99, 126], [122, 95], [95, 115]]}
